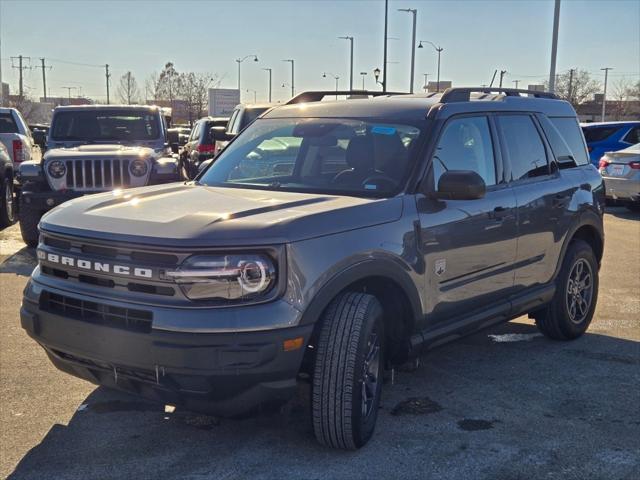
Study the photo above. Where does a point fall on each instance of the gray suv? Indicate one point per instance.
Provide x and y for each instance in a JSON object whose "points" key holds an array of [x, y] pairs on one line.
{"points": [[328, 242], [95, 148]]}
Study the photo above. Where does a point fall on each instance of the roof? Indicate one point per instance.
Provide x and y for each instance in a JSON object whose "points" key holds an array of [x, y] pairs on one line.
{"points": [[103, 107], [414, 107]]}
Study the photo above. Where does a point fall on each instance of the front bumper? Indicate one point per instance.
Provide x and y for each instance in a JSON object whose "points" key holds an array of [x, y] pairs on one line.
{"points": [[224, 374], [622, 189], [46, 200]]}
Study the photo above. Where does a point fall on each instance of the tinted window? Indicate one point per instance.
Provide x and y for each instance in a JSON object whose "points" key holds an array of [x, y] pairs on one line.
{"points": [[466, 144], [250, 114], [633, 136], [570, 131], [340, 156], [597, 134], [105, 125], [7, 123], [523, 146]]}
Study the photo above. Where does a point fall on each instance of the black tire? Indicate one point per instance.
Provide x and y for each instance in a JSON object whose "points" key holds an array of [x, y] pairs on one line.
{"points": [[351, 340], [29, 219], [570, 312], [7, 203]]}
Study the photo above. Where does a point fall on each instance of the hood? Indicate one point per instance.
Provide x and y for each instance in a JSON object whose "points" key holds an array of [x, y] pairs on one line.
{"points": [[103, 150], [184, 215]]}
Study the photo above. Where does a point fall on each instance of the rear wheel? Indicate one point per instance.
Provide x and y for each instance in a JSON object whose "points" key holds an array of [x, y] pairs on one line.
{"points": [[29, 219], [347, 380], [570, 312], [7, 205]]}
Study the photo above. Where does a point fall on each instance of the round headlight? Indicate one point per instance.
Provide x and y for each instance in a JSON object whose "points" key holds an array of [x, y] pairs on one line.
{"points": [[138, 168], [57, 169]]}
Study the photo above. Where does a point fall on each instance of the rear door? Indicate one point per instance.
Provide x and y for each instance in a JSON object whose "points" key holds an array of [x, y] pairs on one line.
{"points": [[543, 194], [469, 246]]}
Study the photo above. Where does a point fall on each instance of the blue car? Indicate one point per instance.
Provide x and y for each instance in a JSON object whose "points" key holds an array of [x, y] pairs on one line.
{"points": [[603, 137]]}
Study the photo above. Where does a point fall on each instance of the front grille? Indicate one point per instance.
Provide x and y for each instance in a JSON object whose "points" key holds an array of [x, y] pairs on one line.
{"points": [[102, 174], [96, 313]]}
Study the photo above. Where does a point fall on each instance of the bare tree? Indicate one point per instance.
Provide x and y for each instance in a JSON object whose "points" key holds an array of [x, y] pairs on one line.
{"points": [[168, 83], [193, 89], [577, 87], [622, 93], [128, 89], [152, 87]]}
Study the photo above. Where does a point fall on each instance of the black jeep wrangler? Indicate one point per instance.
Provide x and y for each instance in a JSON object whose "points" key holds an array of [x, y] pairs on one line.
{"points": [[95, 148], [329, 241]]}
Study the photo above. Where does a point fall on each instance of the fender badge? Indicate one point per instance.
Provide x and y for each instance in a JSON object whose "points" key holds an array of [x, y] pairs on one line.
{"points": [[441, 266]]}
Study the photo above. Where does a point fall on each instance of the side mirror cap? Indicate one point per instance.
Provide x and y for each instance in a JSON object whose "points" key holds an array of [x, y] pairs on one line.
{"points": [[460, 185]]}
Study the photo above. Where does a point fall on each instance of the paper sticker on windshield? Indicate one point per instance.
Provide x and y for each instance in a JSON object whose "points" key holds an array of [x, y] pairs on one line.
{"points": [[382, 130]]}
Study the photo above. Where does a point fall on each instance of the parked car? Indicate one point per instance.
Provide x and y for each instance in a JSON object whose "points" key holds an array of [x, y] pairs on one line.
{"points": [[7, 201], [17, 138], [200, 145], [603, 137], [621, 173], [328, 242], [241, 117], [95, 148]]}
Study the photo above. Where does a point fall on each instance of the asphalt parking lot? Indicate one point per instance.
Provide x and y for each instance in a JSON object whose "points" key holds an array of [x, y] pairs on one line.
{"points": [[502, 404]]}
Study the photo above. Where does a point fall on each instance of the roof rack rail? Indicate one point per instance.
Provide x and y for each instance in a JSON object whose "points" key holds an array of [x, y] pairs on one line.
{"points": [[318, 95], [463, 94]]}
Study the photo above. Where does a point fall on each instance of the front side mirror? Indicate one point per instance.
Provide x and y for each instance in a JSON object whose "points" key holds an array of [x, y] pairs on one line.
{"points": [[460, 185], [219, 134]]}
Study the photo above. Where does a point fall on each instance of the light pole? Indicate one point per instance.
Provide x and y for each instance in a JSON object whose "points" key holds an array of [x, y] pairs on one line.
{"points": [[554, 47], [364, 74], [254, 94], [439, 50], [604, 95], [376, 75], [335, 77], [293, 89], [516, 82], [270, 71], [414, 12], [426, 84], [240, 60], [351, 63]]}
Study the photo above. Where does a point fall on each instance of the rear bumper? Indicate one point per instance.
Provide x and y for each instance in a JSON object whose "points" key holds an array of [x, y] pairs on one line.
{"points": [[622, 189], [223, 374]]}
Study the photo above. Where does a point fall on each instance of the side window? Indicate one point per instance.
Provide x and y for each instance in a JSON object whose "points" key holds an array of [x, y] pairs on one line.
{"points": [[233, 122], [195, 132], [524, 147], [633, 136], [572, 134], [465, 144]]}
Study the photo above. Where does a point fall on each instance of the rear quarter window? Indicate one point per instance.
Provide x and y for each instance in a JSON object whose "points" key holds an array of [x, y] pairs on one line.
{"points": [[8, 123], [572, 134]]}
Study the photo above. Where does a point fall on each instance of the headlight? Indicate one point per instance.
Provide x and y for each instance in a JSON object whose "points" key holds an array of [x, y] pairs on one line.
{"points": [[225, 277], [138, 168], [57, 169]]}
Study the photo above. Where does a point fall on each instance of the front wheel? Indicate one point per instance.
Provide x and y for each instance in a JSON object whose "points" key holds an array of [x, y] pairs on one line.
{"points": [[570, 312], [7, 205], [347, 379]]}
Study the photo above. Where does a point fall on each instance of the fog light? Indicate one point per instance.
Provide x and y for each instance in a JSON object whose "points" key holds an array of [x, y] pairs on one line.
{"points": [[292, 344]]}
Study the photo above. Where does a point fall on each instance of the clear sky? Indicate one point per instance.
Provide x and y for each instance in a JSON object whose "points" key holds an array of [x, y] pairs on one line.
{"points": [[206, 36]]}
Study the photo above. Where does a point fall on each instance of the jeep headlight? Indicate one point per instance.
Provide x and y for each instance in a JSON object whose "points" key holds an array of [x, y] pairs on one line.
{"points": [[57, 169], [138, 168], [225, 277]]}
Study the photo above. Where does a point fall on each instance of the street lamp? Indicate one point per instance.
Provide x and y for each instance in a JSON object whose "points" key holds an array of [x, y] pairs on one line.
{"points": [[270, 71], [335, 77], [363, 75], [439, 50], [426, 84], [414, 12], [351, 65], [239, 61], [254, 94], [293, 90], [376, 75]]}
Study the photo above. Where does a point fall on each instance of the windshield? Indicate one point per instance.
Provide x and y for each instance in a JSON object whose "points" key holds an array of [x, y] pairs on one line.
{"points": [[333, 156], [105, 125]]}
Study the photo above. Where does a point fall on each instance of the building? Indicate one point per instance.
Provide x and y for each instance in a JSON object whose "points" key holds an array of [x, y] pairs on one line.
{"points": [[615, 110], [433, 86]]}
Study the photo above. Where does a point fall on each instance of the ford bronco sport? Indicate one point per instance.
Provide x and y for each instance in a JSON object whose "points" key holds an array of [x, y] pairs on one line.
{"points": [[330, 240], [93, 149]]}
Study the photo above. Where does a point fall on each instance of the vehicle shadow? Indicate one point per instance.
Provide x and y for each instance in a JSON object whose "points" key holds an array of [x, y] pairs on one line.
{"points": [[20, 263], [622, 212], [497, 403]]}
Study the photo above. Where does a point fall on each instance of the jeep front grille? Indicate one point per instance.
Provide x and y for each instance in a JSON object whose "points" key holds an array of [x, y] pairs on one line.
{"points": [[104, 174]]}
